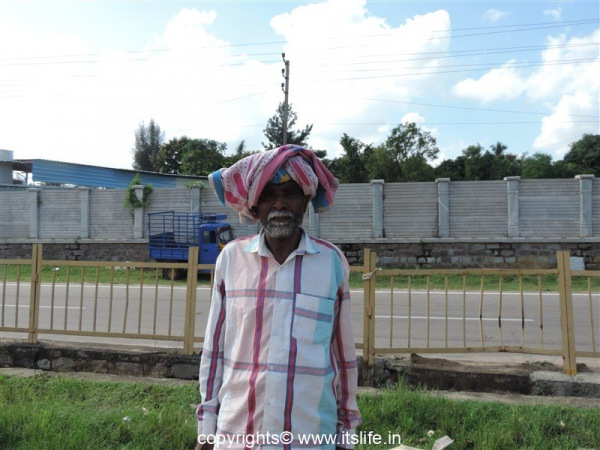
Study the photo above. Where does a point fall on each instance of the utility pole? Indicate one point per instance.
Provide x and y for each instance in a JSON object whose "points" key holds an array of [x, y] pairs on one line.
{"points": [[285, 87]]}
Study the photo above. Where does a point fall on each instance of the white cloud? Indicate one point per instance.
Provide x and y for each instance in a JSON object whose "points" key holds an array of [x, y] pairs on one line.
{"points": [[414, 117], [554, 13], [502, 83], [194, 83], [493, 15], [561, 128], [570, 89]]}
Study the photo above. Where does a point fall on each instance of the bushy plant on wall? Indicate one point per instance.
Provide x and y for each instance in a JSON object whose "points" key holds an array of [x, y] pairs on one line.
{"points": [[131, 200]]}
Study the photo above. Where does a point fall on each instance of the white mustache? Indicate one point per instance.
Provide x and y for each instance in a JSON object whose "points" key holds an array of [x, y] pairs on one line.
{"points": [[280, 215]]}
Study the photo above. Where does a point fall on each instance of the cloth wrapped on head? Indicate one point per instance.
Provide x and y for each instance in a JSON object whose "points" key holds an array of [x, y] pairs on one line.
{"points": [[240, 185]]}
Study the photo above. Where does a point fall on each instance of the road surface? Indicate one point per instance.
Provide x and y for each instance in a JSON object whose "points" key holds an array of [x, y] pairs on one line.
{"points": [[441, 332]]}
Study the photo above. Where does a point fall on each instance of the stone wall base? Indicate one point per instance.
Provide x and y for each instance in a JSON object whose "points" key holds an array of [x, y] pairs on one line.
{"points": [[413, 371], [78, 251], [500, 255], [426, 255]]}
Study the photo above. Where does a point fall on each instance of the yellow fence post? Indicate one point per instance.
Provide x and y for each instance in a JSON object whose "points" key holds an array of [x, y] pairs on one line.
{"points": [[190, 302], [372, 282], [566, 312], [34, 293], [366, 304], [369, 307]]}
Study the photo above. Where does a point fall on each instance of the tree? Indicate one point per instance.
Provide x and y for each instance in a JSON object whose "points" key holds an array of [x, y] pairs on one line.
{"points": [[203, 156], [585, 154], [478, 164], [407, 141], [537, 166], [274, 129], [415, 168], [240, 152], [382, 166], [498, 148], [148, 140], [352, 165], [191, 156], [168, 159], [451, 168]]}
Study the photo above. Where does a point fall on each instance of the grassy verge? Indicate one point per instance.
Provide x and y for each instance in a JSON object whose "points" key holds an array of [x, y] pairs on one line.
{"points": [[60, 413], [120, 275], [473, 283], [436, 282]]}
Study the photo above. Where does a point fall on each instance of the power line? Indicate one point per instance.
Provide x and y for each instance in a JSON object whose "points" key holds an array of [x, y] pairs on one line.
{"points": [[473, 108], [442, 55], [503, 64], [524, 27], [461, 123], [441, 72]]}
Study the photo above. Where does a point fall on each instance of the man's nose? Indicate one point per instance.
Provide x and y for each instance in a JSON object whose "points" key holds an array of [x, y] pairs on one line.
{"points": [[279, 202]]}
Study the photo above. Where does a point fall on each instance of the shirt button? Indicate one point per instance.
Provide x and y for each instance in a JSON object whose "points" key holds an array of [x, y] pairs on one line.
{"points": [[276, 333], [271, 366], [278, 299]]}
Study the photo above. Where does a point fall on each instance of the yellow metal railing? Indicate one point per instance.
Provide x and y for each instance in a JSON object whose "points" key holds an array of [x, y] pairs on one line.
{"points": [[416, 306], [134, 315], [144, 312]]}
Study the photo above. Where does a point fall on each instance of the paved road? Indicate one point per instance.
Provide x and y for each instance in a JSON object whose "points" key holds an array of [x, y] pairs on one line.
{"points": [[386, 317]]}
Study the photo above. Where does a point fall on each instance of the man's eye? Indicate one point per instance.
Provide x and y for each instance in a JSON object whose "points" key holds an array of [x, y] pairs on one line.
{"points": [[293, 193]]}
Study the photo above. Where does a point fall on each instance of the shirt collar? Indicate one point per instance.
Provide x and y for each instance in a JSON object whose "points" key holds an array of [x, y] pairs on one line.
{"points": [[259, 245]]}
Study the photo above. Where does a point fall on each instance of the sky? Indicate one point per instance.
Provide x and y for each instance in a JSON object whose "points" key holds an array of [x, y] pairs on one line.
{"points": [[77, 78]]}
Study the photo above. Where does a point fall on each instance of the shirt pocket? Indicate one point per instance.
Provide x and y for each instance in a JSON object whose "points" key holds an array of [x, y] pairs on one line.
{"points": [[313, 319]]}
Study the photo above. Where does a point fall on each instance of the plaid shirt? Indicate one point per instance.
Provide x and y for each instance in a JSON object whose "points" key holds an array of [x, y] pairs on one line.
{"points": [[278, 352]]}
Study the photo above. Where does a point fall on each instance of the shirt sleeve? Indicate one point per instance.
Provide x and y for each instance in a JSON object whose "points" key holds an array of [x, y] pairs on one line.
{"points": [[345, 354], [211, 363]]}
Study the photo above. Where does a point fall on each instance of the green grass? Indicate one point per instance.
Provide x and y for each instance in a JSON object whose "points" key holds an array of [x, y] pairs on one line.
{"points": [[491, 282], [437, 282], [61, 413], [412, 413], [105, 275]]}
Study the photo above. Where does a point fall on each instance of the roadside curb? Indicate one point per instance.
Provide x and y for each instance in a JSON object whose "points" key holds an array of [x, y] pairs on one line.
{"points": [[433, 373]]}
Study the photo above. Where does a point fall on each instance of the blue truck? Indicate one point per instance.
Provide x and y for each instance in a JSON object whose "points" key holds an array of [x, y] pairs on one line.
{"points": [[171, 234]]}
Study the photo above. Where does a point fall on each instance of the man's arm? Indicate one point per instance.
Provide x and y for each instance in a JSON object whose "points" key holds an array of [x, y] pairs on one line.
{"points": [[344, 350], [211, 364]]}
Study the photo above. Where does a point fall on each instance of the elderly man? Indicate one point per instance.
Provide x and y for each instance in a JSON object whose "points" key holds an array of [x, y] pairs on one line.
{"points": [[278, 367]]}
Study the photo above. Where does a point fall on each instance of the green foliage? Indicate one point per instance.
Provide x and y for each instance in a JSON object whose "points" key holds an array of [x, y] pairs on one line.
{"points": [[190, 184], [148, 141], [538, 166], [353, 163], [476, 163], [408, 140], [240, 152], [274, 129], [189, 156], [451, 168], [203, 157], [585, 155], [131, 200]]}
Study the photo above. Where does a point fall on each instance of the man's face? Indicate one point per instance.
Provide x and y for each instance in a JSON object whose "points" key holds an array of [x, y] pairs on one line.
{"points": [[281, 208]]}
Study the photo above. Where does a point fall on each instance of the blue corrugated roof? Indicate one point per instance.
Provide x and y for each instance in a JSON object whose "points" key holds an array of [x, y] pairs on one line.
{"points": [[48, 171]]}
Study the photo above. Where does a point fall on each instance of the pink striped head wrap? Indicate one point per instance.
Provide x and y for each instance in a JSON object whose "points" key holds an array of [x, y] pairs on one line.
{"points": [[240, 185]]}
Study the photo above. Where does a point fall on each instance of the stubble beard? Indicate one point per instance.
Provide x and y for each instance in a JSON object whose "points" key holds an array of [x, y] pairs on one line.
{"points": [[281, 225]]}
